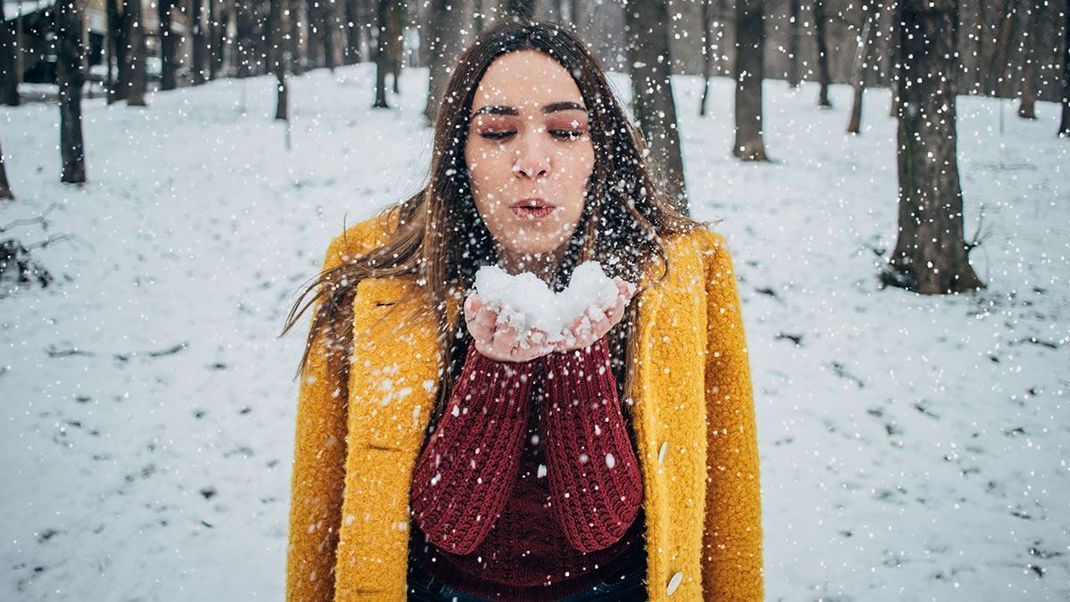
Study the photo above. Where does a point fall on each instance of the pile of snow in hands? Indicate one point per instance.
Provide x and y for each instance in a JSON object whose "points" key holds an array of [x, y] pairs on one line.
{"points": [[524, 301]]}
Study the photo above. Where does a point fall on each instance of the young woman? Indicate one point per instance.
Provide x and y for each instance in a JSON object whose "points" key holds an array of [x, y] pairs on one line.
{"points": [[442, 456]]}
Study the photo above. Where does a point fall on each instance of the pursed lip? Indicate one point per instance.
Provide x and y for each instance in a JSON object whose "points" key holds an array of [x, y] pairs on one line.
{"points": [[536, 202]]}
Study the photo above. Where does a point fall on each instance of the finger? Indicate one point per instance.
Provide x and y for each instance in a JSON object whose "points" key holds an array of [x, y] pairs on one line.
{"points": [[505, 340], [472, 304]]}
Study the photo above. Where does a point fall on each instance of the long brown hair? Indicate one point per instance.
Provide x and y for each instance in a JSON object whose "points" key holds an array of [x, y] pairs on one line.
{"points": [[439, 238]]}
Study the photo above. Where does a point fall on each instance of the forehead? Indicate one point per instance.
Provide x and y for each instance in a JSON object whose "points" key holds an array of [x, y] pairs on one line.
{"points": [[528, 80]]}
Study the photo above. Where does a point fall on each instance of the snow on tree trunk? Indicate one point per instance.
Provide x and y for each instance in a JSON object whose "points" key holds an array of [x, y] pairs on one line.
{"points": [[749, 73], [70, 77], [650, 66], [930, 256]]}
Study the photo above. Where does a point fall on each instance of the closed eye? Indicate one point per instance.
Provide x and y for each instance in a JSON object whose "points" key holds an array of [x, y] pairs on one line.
{"points": [[560, 134]]}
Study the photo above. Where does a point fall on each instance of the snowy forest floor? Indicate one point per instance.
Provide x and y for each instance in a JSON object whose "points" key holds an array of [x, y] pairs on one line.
{"points": [[912, 448]]}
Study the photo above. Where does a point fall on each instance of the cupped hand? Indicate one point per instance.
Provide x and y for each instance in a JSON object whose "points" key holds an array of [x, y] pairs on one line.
{"points": [[502, 342], [595, 323]]}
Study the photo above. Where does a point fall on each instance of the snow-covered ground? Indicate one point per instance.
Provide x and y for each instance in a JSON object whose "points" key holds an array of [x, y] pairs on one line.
{"points": [[913, 448]]}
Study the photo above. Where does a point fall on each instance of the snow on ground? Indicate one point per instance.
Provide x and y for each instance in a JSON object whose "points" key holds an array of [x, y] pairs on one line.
{"points": [[913, 448]]}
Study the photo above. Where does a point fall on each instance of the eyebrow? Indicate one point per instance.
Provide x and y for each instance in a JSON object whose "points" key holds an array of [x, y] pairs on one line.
{"points": [[553, 107]]}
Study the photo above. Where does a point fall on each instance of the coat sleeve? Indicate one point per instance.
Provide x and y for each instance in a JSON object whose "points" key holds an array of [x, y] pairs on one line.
{"points": [[732, 538], [318, 472]]}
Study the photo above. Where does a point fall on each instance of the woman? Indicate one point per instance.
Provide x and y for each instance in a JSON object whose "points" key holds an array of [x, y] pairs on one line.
{"points": [[442, 457]]}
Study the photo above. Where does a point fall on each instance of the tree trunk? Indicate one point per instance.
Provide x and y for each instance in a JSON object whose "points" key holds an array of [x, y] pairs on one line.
{"points": [[115, 52], [200, 47], [135, 56], [863, 60], [5, 189], [70, 77], [1064, 125], [795, 14], [1038, 21], [820, 23], [297, 33], [330, 37], [353, 29], [395, 42], [646, 24], [277, 27], [749, 73], [997, 70], [445, 47], [930, 255], [167, 46], [707, 54], [382, 54], [9, 76], [524, 9]]}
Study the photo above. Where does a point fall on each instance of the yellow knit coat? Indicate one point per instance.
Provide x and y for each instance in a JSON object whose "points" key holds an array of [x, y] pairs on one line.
{"points": [[693, 418]]}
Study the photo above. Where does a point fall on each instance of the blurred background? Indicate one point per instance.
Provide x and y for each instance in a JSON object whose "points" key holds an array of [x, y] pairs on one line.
{"points": [[891, 176]]}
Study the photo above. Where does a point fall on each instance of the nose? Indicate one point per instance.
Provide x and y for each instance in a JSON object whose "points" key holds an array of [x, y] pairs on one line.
{"points": [[532, 159]]}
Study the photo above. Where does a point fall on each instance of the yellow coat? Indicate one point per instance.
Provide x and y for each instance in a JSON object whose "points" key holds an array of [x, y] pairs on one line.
{"points": [[693, 419]]}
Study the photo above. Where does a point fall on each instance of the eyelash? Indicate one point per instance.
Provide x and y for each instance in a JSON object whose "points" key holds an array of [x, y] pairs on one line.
{"points": [[568, 134]]}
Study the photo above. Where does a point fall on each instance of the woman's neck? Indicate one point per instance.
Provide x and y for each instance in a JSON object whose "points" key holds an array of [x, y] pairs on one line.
{"points": [[543, 265]]}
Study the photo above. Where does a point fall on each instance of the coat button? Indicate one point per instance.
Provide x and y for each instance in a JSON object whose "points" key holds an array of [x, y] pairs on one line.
{"points": [[675, 582]]}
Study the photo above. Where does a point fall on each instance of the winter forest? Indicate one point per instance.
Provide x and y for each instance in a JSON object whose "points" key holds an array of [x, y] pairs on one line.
{"points": [[892, 177]]}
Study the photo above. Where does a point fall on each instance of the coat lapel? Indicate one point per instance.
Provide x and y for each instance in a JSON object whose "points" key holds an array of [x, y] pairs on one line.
{"points": [[393, 380]]}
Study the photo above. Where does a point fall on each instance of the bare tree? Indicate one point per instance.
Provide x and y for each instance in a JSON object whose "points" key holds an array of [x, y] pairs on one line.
{"points": [[277, 56], [298, 23], [794, 16], [200, 43], [114, 51], [137, 79], [820, 24], [382, 53], [9, 76], [5, 189], [1064, 124], [749, 73], [930, 256], [168, 46], [863, 59], [997, 70], [646, 24], [395, 44], [1038, 24], [353, 30], [70, 77], [445, 46], [707, 53]]}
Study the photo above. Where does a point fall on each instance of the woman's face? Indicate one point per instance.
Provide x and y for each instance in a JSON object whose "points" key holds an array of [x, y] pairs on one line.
{"points": [[528, 146]]}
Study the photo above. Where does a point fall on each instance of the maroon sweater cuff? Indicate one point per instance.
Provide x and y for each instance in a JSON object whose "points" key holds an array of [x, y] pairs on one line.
{"points": [[469, 467], [595, 479]]}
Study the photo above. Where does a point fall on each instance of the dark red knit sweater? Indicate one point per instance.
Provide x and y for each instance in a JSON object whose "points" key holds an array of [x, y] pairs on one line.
{"points": [[529, 488]]}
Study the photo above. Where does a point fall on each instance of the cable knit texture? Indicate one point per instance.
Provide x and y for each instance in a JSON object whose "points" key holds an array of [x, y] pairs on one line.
{"points": [[594, 474], [495, 528], [693, 417]]}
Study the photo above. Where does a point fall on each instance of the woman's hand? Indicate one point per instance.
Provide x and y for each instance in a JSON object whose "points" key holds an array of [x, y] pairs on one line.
{"points": [[593, 325], [502, 343]]}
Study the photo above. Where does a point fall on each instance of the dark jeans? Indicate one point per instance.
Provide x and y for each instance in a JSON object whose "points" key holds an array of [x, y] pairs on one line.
{"points": [[626, 586]]}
